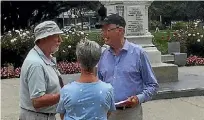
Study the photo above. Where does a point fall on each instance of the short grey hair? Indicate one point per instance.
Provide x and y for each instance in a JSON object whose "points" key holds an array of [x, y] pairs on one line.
{"points": [[88, 54]]}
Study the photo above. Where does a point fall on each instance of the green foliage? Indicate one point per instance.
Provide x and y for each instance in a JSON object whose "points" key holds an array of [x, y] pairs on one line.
{"points": [[70, 40], [160, 40], [16, 44], [68, 46]]}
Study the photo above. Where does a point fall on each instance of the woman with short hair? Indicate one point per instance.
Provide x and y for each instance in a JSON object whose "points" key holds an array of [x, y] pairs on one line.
{"points": [[87, 98]]}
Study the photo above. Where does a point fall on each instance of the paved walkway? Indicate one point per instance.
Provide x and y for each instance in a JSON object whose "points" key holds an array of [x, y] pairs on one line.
{"points": [[188, 108], [190, 83], [191, 108]]}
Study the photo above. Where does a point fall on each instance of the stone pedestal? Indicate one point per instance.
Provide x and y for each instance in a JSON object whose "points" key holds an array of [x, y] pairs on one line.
{"points": [[135, 14], [165, 72], [180, 58], [173, 47]]}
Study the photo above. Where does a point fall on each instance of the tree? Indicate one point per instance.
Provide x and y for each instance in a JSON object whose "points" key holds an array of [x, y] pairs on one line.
{"points": [[23, 14], [176, 10]]}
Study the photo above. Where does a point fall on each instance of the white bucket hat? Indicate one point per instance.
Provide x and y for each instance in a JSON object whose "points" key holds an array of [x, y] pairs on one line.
{"points": [[46, 29]]}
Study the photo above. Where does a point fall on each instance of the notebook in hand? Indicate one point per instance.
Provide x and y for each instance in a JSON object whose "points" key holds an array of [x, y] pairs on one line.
{"points": [[122, 103]]}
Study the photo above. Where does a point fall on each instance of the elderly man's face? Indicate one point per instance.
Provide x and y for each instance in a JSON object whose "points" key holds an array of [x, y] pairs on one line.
{"points": [[53, 42], [111, 34]]}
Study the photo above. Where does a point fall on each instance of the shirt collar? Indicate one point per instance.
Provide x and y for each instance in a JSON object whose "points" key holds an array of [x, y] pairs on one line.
{"points": [[47, 61], [125, 46]]}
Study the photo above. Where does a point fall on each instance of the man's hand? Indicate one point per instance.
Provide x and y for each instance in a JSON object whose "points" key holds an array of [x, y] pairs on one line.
{"points": [[62, 116], [134, 101], [108, 114], [45, 100]]}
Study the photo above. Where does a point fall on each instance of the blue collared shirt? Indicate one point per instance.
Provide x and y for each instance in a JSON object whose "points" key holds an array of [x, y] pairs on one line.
{"points": [[130, 73], [86, 101]]}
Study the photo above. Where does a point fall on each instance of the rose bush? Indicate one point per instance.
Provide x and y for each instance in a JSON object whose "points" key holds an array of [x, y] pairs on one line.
{"points": [[16, 44], [191, 39]]}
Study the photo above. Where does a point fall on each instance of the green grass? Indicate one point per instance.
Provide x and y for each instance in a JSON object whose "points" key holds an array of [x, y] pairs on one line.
{"points": [[95, 36]]}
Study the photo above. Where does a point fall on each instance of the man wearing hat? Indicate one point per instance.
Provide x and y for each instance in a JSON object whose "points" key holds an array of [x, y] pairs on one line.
{"points": [[126, 66], [39, 82]]}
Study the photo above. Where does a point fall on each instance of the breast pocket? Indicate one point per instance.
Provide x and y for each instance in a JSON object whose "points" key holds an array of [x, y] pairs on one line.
{"points": [[131, 70]]}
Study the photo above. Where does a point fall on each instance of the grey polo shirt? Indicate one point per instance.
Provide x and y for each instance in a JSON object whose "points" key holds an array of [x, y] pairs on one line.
{"points": [[38, 77]]}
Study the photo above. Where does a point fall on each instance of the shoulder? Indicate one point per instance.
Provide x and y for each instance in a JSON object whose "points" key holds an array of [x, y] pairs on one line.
{"points": [[71, 87], [33, 59], [68, 86], [105, 54], [106, 86], [104, 48], [32, 55], [30, 64], [135, 47]]}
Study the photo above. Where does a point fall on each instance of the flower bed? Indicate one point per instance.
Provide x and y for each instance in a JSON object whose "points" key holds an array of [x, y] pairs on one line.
{"points": [[63, 66], [66, 67], [194, 60], [6, 73]]}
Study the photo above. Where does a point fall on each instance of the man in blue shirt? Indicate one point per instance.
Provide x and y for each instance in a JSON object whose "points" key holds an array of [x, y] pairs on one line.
{"points": [[87, 98], [126, 66]]}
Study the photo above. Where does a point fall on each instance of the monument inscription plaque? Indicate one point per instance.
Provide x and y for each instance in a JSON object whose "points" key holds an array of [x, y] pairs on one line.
{"points": [[135, 20]]}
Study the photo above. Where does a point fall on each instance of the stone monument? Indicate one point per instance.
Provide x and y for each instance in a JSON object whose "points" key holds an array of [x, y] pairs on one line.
{"points": [[135, 14]]}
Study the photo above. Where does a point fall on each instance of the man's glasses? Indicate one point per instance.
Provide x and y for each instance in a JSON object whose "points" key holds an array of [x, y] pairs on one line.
{"points": [[108, 30]]}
